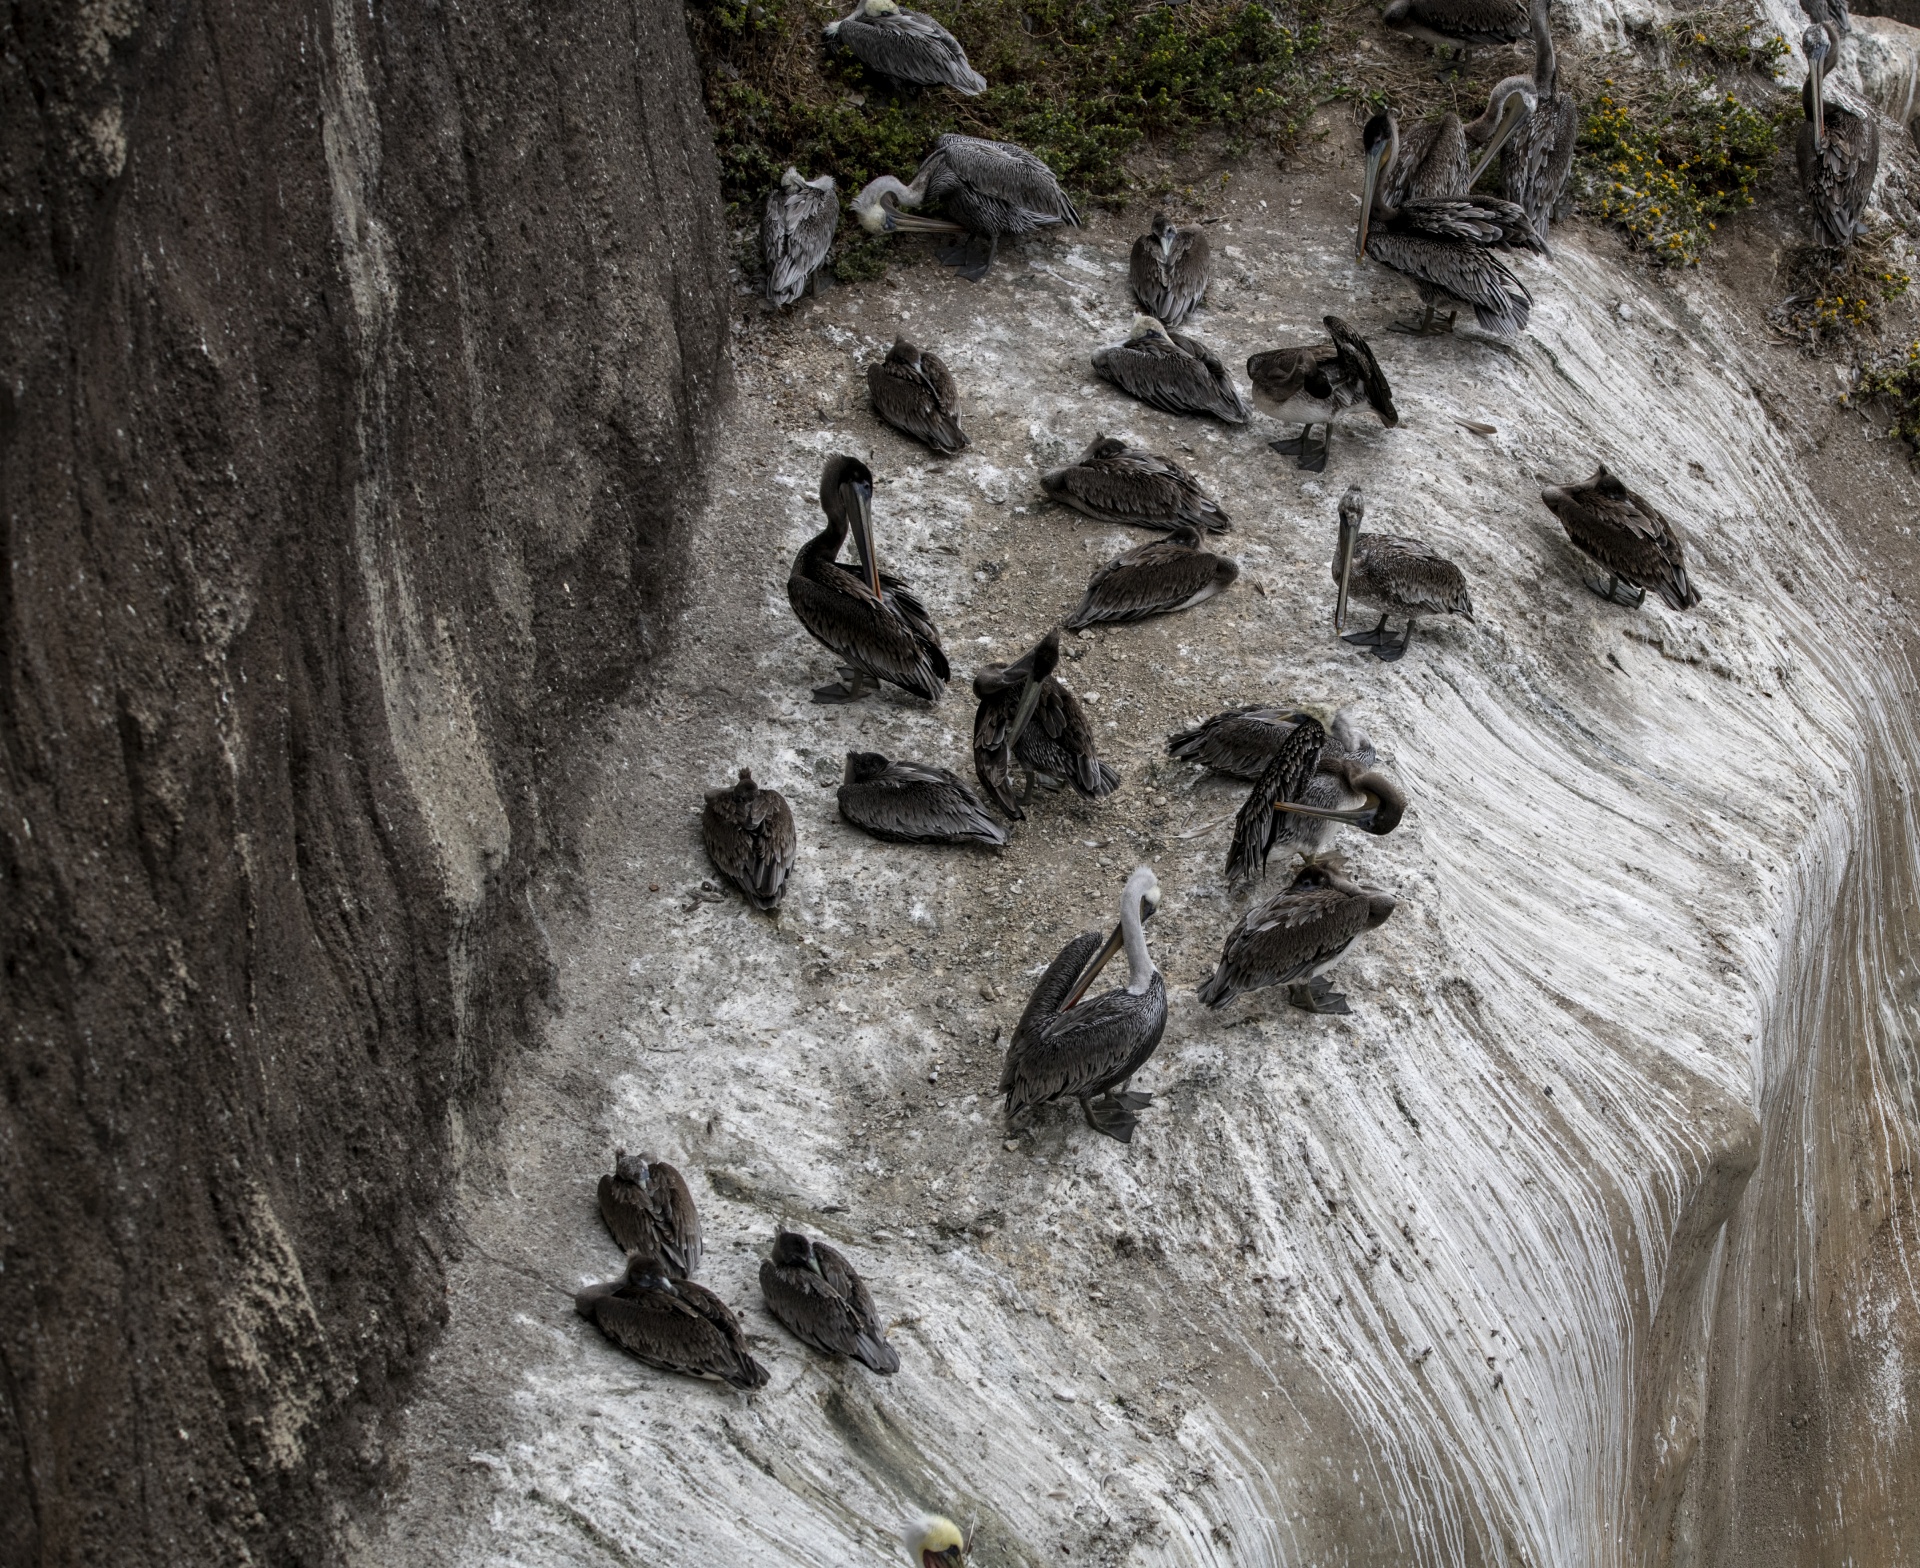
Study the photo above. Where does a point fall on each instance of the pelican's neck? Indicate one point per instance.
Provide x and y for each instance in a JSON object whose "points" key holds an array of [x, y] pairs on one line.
{"points": [[906, 195], [1133, 936], [1481, 131], [1381, 202], [1546, 65], [826, 544]]}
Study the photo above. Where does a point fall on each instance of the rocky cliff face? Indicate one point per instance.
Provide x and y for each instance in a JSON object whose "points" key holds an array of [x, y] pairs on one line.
{"points": [[356, 363]]}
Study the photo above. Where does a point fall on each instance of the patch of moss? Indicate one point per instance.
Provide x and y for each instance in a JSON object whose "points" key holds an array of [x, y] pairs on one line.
{"points": [[1894, 382]]}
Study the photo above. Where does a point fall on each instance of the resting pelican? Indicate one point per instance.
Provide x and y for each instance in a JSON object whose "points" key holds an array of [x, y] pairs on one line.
{"points": [[1435, 159], [1316, 384], [989, 188], [1239, 742], [869, 619], [1445, 244], [1293, 938], [818, 1295], [675, 1325], [1157, 578], [1536, 164], [913, 391], [936, 1542], [801, 219], [1172, 371], [914, 804], [1117, 483], [1394, 574], [1027, 716], [1839, 146], [1066, 1048], [748, 833], [908, 47], [1454, 24], [1169, 269], [1627, 537], [647, 1206]]}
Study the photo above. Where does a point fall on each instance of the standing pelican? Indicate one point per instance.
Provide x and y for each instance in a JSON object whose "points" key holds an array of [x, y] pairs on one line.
{"points": [[675, 1325], [1839, 147], [816, 1293], [989, 188], [869, 619], [1064, 1048], [1317, 383], [1627, 537], [1117, 483], [1454, 24], [801, 219], [1835, 11], [647, 1206], [1536, 164], [1435, 159], [1169, 269], [1445, 244], [1346, 788], [1294, 937], [908, 47], [748, 833], [1172, 371], [913, 391], [1156, 578], [1394, 574], [913, 804], [1027, 716], [1258, 827], [1239, 742]]}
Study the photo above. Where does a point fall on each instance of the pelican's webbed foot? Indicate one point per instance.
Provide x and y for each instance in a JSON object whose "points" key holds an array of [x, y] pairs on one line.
{"points": [[1317, 996], [1375, 639], [1108, 1116], [972, 258], [1310, 457], [1431, 325], [1615, 591], [851, 687]]}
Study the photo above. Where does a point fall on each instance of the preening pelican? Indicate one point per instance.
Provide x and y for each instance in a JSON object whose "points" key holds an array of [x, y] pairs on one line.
{"points": [[1436, 158], [1156, 578], [1117, 483], [1537, 162], [936, 1542], [1627, 537], [1454, 24], [675, 1325], [1169, 269], [913, 391], [1067, 1048], [1346, 788], [748, 833], [1394, 574], [812, 1289], [649, 1209], [861, 614], [1319, 384], [989, 189], [796, 232], [1294, 937], [1839, 147], [911, 803], [908, 47], [1172, 371], [1027, 717]]}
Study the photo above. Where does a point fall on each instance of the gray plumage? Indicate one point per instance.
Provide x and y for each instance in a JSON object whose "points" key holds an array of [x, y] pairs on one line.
{"points": [[1156, 578], [1396, 575], [812, 1289], [1536, 164], [1838, 152], [748, 834], [1321, 384], [1293, 937], [914, 804], [648, 1207], [1626, 536], [1258, 827], [988, 189], [1239, 742], [1116, 483], [1436, 157], [675, 1325], [908, 47], [1056, 745], [1169, 270], [796, 232], [1454, 23], [1172, 371], [913, 391], [1345, 780]]}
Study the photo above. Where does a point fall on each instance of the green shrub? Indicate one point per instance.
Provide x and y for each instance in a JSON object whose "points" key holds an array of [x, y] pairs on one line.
{"points": [[1894, 381]]}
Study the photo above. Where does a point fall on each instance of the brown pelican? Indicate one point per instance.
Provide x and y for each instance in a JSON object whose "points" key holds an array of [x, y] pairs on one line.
{"points": [[1535, 165], [1259, 825], [1394, 574], [1445, 244], [913, 804], [1316, 383], [908, 47], [1434, 159], [647, 1206], [1239, 742], [1293, 938], [869, 619], [989, 188], [1454, 24], [1027, 716], [1839, 146], [1169, 270], [913, 391], [801, 219], [1172, 371], [748, 832], [1065, 1048], [1834, 11], [675, 1325], [1156, 578], [1345, 787], [1117, 483], [816, 1293], [1627, 537], [936, 1542]]}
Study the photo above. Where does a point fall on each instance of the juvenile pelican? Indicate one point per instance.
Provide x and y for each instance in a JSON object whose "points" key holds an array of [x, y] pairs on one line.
{"points": [[1627, 537], [1435, 158], [908, 47], [1027, 717], [1169, 269], [866, 617], [914, 804], [1239, 742], [1839, 146], [1394, 574], [647, 1206], [913, 391], [1066, 1048], [1316, 384], [1117, 483], [1172, 371], [796, 232], [1156, 578], [748, 834], [935, 1542], [1294, 937], [1260, 824], [1346, 788], [675, 1325], [1536, 164], [989, 188], [1454, 24], [817, 1294], [1445, 244]]}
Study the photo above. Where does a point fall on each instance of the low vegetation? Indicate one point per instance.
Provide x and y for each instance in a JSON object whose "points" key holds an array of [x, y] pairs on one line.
{"points": [[1893, 383], [1839, 296]]}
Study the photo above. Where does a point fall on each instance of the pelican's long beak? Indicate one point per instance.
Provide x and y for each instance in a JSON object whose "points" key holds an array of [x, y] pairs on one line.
{"points": [[1029, 700], [1818, 67], [1359, 817], [1346, 571], [1093, 970], [913, 223], [1376, 156], [862, 496], [1515, 114]]}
